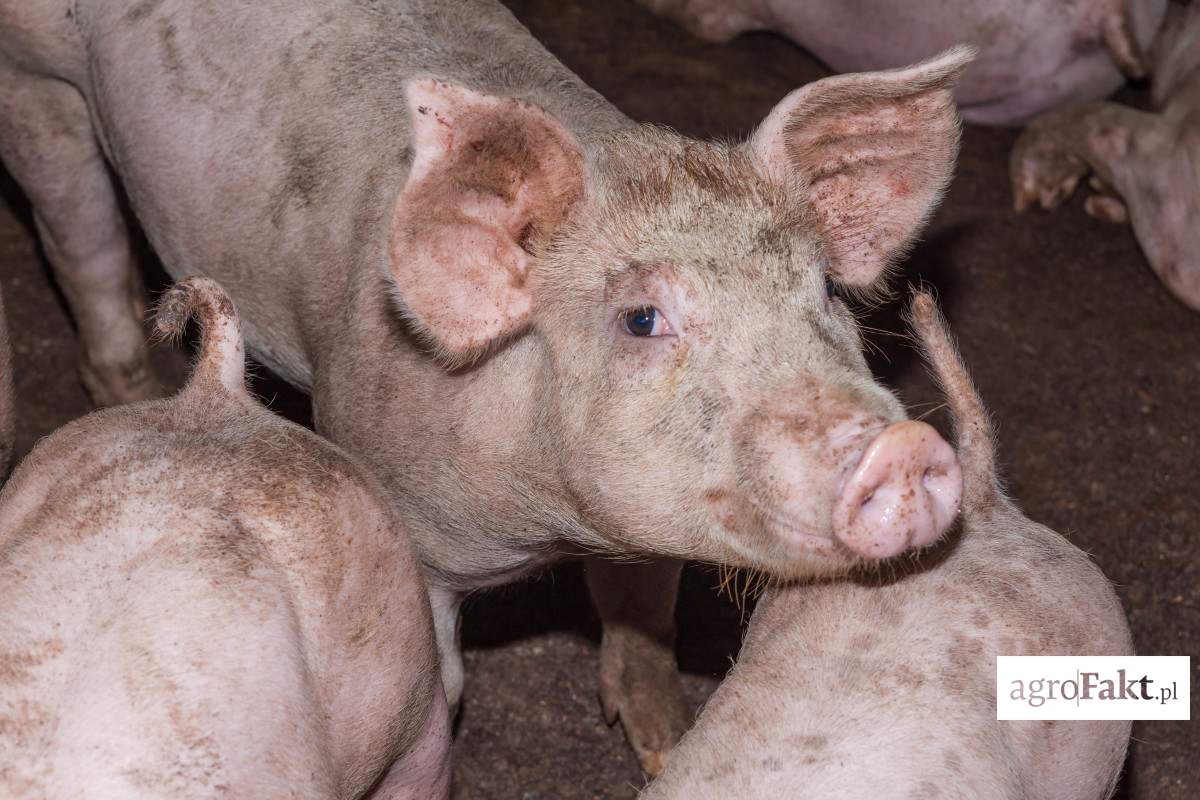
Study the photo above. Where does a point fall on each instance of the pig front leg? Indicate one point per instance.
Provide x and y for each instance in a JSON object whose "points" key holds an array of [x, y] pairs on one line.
{"points": [[46, 142], [446, 604], [1142, 165], [639, 676]]}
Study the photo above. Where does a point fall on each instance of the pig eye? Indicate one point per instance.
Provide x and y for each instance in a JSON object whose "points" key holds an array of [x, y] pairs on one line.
{"points": [[830, 289], [645, 321]]}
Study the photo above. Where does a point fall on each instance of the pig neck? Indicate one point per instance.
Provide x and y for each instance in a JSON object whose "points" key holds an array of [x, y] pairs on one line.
{"points": [[462, 453]]}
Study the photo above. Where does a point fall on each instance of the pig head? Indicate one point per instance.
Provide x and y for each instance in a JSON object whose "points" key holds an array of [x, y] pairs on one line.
{"points": [[697, 386], [1033, 56], [1142, 163]]}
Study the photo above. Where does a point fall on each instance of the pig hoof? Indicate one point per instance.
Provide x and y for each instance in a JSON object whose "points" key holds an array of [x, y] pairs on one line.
{"points": [[1042, 171], [1107, 209], [640, 686]]}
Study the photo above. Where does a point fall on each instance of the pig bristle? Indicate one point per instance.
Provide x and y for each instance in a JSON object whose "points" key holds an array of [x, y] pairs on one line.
{"points": [[742, 585]]}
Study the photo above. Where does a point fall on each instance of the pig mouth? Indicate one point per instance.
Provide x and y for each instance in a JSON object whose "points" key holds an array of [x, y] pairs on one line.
{"points": [[797, 536]]}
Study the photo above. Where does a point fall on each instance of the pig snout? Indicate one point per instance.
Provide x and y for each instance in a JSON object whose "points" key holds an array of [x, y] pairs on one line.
{"points": [[904, 492]]}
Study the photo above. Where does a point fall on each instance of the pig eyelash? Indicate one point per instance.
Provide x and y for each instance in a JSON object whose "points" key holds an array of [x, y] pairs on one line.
{"points": [[645, 321]]}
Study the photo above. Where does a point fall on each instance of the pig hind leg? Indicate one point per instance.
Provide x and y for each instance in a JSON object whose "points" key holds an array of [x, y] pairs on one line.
{"points": [[47, 143], [639, 676]]}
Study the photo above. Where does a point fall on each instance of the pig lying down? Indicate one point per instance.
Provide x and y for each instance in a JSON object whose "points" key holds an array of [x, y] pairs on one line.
{"points": [[547, 329], [886, 687], [201, 599], [1034, 55], [1144, 165]]}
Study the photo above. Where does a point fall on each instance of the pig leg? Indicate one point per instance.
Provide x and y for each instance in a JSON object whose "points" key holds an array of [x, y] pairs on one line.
{"points": [[639, 677], [46, 142], [1144, 166], [446, 604]]}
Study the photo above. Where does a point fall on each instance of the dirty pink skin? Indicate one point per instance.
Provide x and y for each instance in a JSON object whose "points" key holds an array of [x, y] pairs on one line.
{"points": [[199, 599], [885, 685], [1033, 55], [1144, 165], [548, 330]]}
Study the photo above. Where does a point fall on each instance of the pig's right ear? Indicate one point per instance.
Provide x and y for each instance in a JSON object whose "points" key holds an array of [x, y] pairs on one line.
{"points": [[873, 151], [491, 178]]}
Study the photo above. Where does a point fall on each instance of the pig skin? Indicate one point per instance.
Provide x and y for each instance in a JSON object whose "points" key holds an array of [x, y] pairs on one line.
{"points": [[1034, 55], [885, 686], [436, 229], [1143, 164], [200, 599]]}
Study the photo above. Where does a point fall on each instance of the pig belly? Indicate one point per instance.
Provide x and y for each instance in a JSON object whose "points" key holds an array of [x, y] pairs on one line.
{"points": [[1031, 56]]}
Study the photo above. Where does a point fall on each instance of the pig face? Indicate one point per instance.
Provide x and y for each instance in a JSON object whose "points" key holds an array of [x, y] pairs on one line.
{"points": [[702, 390]]}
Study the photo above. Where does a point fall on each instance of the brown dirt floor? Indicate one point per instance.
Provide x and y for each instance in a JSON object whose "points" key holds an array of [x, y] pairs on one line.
{"points": [[1091, 369]]}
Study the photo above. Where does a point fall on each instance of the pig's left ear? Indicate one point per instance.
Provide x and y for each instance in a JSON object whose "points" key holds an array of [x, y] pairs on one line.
{"points": [[873, 151], [491, 178]]}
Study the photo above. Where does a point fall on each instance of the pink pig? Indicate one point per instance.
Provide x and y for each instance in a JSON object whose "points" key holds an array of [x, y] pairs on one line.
{"points": [[547, 329], [1033, 55], [200, 599]]}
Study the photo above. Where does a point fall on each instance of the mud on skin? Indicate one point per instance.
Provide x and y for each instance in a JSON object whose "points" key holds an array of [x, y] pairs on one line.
{"points": [[235, 594], [1088, 364]]}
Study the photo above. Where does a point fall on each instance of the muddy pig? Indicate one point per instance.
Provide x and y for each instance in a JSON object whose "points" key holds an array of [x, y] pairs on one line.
{"points": [[885, 686], [199, 599], [1143, 163], [547, 329], [1034, 55]]}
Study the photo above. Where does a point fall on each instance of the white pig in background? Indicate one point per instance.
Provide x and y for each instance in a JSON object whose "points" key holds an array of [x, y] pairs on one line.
{"points": [[546, 328], [885, 686], [1034, 55], [1145, 165], [201, 599]]}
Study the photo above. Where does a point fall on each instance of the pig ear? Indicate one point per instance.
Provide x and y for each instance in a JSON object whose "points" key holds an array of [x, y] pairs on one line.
{"points": [[491, 178], [874, 152]]}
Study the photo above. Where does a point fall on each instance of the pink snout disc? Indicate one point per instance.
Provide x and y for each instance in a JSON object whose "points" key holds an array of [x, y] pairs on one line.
{"points": [[904, 493]]}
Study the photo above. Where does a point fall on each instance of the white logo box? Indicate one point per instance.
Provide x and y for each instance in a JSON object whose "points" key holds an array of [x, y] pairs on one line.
{"points": [[1093, 687]]}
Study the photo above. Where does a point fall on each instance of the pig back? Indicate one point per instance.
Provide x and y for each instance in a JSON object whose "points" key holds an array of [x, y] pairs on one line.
{"points": [[190, 562], [265, 146]]}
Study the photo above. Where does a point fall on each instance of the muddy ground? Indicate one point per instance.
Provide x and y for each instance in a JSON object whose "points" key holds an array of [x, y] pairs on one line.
{"points": [[1091, 369]]}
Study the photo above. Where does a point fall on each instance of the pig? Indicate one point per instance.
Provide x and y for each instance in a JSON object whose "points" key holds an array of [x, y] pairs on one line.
{"points": [[1143, 164], [885, 685], [1034, 55], [548, 330], [199, 598]]}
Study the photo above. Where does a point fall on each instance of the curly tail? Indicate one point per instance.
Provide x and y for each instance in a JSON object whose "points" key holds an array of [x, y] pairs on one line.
{"points": [[222, 352], [975, 438]]}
